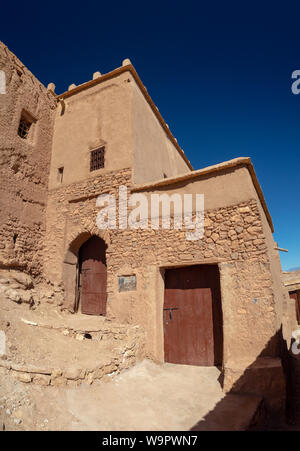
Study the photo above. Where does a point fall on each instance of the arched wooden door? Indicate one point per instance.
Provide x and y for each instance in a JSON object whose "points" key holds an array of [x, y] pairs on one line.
{"points": [[93, 276]]}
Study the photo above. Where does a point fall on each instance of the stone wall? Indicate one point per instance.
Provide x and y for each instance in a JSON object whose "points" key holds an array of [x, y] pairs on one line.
{"points": [[234, 239], [128, 349], [24, 165]]}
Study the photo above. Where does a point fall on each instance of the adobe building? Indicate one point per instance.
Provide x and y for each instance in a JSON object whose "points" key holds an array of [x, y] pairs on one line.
{"points": [[218, 300], [291, 281]]}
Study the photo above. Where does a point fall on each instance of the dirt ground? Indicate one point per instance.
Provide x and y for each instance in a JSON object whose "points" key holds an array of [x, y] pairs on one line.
{"points": [[146, 396]]}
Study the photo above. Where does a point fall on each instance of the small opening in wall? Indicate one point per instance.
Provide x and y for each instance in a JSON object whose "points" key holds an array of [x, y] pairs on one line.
{"points": [[26, 121], [97, 159], [88, 336], [24, 127], [60, 174], [15, 238], [165, 176]]}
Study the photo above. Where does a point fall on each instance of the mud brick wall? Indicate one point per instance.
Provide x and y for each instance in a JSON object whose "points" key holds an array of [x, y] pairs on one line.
{"points": [[24, 166]]}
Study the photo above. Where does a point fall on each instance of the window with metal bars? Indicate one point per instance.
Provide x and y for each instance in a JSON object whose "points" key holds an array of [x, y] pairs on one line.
{"points": [[97, 159], [24, 127]]}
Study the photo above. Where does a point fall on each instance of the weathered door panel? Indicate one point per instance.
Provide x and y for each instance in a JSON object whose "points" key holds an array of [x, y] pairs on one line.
{"points": [[93, 277], [190, 330]]}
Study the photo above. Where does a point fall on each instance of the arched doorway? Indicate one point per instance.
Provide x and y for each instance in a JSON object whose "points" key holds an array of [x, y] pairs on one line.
{"points": [[92, 276]]}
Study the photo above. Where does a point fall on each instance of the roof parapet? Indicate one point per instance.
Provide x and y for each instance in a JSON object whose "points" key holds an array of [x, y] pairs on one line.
{"points": [[126, 62], [96, 75]]}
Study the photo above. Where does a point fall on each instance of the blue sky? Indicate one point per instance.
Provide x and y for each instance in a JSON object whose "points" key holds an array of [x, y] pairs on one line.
{"points": [[219, 72]]}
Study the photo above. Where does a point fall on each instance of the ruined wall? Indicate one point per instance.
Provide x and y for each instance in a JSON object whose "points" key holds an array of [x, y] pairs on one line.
{"points": [[154, 155], [24, 165], [94, 117]]}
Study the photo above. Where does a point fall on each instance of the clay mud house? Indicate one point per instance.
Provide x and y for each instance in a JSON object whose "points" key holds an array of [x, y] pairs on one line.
{"points": [[218, 300]]}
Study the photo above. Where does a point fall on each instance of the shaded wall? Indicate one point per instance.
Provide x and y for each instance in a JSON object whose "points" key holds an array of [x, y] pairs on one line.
{"points": [[154, 155]]}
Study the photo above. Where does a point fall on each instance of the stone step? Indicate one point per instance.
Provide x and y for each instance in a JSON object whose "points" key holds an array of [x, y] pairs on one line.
{"points": [[235, 412]]}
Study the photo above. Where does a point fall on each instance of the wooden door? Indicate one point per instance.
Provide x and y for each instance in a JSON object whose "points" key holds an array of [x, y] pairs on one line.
{"points": [[192, 316], [93, 277]]}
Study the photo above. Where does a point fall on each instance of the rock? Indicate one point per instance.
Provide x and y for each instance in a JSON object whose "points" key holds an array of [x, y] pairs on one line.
{"points": [[13, 295], [25, 296], [8, 412], [215, 236], [15, 286], [79, 337], [22, 278], [41, 379], [17, 420], [24, 377], [56, 373], [90, 378], [253, 230], [18, 414], [59, 381], [239, 229], [74, 373], [250, 219], [244, 210]]}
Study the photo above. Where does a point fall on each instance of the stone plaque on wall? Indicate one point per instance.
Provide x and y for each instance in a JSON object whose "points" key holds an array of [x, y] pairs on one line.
{"points": [[127, 283]]}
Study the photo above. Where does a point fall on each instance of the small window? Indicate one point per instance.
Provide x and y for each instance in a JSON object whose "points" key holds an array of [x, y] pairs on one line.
{"points": [[60, 174], [97, 159], [25, 124], [24, 127]]}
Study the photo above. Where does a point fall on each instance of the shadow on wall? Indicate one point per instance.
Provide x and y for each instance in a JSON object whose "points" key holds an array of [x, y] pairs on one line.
{"points": [[261, 398]]}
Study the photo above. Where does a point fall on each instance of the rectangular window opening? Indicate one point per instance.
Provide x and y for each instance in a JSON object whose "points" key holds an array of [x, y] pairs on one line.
{"points": [[25, 124], [97, 159]]}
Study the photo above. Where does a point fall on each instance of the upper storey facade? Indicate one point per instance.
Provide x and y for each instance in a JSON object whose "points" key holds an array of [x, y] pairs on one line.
{"points": [[111, 123]]}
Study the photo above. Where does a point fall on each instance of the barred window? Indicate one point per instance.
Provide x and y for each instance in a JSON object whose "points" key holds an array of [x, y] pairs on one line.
{"points": [[24, 127], [97, 159]]}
